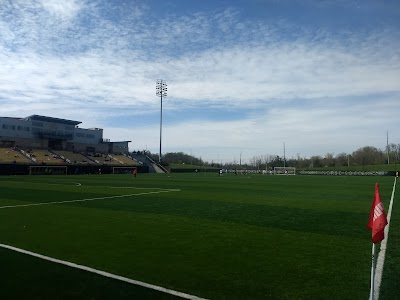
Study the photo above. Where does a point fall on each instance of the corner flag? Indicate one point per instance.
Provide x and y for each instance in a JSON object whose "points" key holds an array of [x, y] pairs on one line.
{"points": [[377, 218]]}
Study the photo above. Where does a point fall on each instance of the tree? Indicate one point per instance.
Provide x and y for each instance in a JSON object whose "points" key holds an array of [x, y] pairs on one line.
{"points": [[342, 159], [329, 160], [394, 152], [368, 155], [316, 161]]}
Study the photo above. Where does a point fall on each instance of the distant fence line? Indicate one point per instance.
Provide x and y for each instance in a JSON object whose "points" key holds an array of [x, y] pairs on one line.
{"points": [[348, 173], [298, 172], [23, 169]]}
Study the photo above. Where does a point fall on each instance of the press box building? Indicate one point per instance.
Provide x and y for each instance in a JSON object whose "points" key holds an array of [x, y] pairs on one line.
{"points": [[37, 131]]}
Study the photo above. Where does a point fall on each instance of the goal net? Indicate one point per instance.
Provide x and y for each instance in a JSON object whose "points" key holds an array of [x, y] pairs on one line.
{"points": [[48, 170], [285, 171], [123, 170]]}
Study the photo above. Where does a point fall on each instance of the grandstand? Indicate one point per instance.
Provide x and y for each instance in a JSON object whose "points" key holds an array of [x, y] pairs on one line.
{"points": [[60, 144], [40, 140], [43, 132]]}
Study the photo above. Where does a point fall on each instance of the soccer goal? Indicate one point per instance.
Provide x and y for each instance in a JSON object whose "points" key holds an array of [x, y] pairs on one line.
{"points": [[48, 170], [123, 170], [285, 171]]}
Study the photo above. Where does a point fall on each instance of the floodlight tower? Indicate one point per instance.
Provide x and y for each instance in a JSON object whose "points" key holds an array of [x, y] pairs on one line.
{"points": [[161, 91]]}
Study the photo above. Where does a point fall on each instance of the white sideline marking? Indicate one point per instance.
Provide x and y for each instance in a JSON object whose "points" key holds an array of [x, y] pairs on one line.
{"points": [[103, 273], [137, 188], [37, 182], [89, 199], [79, 184], [381, 256]]}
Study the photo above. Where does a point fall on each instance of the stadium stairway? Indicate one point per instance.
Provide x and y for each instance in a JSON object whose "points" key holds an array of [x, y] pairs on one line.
{"points": [[26, 154], [147, 161], [158, 168]]}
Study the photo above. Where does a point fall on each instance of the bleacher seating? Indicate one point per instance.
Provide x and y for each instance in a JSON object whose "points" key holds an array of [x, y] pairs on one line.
{"points": [[124, 160], [10, 155], [62, 157], [102, 159], [45, 157], [75, 158]]}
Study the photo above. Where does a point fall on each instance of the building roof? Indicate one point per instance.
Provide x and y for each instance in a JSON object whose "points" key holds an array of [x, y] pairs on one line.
{"points": [[13, 118], [121, 142], [53, 120]]}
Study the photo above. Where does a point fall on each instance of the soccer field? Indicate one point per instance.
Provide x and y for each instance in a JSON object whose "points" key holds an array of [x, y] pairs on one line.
{"points": [[216, 237]]}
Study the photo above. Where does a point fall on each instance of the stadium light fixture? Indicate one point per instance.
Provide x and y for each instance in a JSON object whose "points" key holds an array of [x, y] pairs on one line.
{"points": [[161, 91]]}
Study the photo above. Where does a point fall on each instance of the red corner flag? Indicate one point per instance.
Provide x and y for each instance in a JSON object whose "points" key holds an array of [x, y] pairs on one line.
{"points": [[377, 218]]}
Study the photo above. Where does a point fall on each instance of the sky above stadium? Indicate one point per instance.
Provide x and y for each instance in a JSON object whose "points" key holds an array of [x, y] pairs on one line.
{"points": [[244, 77]]}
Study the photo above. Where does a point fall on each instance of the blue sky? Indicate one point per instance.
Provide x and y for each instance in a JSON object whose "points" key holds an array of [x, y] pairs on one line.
{"points": [[243, 76]]}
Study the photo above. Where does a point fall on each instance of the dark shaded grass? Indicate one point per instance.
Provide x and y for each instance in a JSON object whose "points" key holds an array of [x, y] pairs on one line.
{"points": [[26, 277]]}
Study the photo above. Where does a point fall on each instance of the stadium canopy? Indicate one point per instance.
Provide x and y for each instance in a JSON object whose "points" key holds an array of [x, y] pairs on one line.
{"points": [[53, 120]]}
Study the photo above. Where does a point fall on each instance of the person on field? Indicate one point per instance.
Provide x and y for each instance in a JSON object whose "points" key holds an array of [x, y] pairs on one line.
{"points": [[134, 173]]}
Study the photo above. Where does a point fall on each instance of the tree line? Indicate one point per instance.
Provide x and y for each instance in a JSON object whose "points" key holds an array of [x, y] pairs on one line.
{"points": [[367, 155]]}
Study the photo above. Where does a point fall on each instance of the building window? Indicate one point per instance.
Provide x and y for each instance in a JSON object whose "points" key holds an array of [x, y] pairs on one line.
{"points": [[37, 124], [37, 130]]}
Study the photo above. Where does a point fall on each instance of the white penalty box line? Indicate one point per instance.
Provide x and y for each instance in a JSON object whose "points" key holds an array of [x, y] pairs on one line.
{"points": [[90, 199], [103, 273]]}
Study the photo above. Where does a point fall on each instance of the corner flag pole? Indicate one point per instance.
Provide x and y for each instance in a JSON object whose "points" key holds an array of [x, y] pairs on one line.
{"points": [[376, 223], [371, 293]]}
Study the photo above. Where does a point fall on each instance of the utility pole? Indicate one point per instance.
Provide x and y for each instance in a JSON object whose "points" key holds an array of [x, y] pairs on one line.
{"points": [[284, 155], [387, 146]]}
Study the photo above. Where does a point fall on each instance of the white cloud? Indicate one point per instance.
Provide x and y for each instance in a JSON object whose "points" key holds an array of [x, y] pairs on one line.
{"points": [[233, 76], [64, 9], [116, 65]]}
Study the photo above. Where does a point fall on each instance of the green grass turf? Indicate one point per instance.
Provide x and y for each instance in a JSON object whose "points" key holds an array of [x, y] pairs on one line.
{"points": [[228, 237]]}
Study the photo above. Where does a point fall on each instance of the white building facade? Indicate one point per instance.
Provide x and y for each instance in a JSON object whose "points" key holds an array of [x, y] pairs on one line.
{"points": [[37, 131]]}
